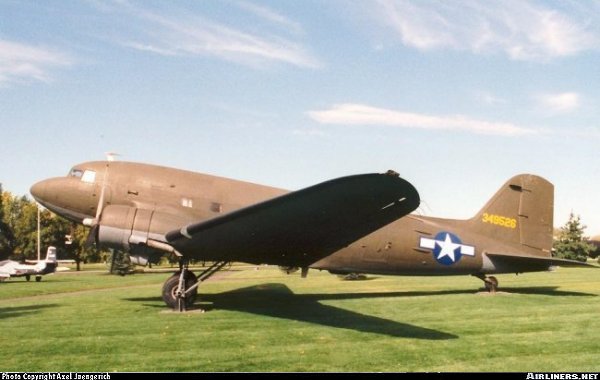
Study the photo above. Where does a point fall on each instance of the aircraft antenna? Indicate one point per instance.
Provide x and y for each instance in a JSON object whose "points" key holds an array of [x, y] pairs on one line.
{"points": [[111, 156]]}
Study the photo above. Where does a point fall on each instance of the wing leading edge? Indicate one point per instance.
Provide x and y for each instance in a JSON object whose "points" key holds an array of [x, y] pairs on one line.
{"points": [[301, 227]]}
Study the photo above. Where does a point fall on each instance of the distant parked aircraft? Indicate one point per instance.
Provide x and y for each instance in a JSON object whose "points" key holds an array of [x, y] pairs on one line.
{"points": [[11, 268]]}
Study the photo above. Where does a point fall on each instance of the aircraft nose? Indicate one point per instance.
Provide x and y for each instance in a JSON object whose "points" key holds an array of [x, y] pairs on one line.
{"points": [[62, 196], [38, 191]]}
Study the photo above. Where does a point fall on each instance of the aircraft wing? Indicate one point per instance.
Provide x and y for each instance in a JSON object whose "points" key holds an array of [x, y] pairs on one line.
{"points": [[301, 227], [536, 260]]}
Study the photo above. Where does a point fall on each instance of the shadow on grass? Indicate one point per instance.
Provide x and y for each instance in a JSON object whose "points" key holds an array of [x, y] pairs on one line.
{"points": [[17, 311], [277, 300], [545, 291]]}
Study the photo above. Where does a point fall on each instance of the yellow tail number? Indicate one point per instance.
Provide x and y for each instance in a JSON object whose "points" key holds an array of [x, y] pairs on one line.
{"points": [[498, 220]]}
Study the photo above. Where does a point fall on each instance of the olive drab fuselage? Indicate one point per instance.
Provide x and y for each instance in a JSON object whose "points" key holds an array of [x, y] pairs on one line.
{"points": [[141, 202]]}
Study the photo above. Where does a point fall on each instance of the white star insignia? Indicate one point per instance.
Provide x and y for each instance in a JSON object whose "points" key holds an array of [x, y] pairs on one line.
{"points": [[448, 248]]}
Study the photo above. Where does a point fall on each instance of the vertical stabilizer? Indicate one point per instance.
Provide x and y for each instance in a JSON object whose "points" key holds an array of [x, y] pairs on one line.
{"points": [[51, 254], [522, 212], [47, 266]]}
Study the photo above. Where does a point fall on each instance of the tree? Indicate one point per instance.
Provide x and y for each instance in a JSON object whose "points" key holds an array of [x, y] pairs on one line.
{"points": [[596, 252], [78, 249], [53, 232], [18, 233], [6, 235], [20, 216], [571, 243]]}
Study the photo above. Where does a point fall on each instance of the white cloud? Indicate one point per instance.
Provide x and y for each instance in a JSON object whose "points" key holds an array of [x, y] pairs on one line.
{"points": [[562, 103], [523, 30], [171, 34], [359, 114], [271, 16], [21, 63]]}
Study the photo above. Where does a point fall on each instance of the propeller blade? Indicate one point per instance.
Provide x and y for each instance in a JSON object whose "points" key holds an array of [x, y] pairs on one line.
{"points": [[100, 204], [92, 237]]}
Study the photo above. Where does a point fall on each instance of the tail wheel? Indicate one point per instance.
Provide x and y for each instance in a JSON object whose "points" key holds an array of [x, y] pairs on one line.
{"points": [[491, 284], [171, 287]]}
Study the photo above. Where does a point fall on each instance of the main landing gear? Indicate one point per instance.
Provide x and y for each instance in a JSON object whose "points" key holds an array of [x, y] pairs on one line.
{"points": [[180, 290], [491, 282]]}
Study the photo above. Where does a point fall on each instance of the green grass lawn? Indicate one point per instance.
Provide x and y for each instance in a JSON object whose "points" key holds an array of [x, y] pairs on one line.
{"points": [[263, 320]]}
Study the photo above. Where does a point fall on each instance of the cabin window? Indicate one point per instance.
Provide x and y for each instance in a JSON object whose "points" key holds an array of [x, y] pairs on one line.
{"points": [[89, 176], [77, 173], [187, 202]]}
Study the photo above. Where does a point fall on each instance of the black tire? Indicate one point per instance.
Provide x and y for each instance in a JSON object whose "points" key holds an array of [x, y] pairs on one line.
{"points": [[27, 277], [169, 291], [38, 278]]}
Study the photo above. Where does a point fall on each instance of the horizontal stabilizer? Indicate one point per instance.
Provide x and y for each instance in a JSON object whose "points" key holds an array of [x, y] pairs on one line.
{"points": [[300, 228], [523, 259]]}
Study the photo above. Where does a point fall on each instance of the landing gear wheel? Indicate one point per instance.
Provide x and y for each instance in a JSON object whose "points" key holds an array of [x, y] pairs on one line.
{"points": [[171, 288], [27, 277], [491, 284], [38, 278]]}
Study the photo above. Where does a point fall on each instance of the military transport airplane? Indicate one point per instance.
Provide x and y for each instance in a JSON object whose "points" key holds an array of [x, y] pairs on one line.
{"points": [[11, 268], [355, 224]]}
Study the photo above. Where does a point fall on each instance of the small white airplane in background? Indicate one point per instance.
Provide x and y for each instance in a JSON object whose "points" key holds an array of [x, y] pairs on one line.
{"points": [[11, 268]]}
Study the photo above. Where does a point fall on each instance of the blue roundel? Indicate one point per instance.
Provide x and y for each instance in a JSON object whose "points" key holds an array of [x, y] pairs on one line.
{"points": [[448, 248]]}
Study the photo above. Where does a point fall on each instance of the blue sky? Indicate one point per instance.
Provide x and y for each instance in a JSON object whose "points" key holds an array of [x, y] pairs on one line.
{"points": [[456, 96]]}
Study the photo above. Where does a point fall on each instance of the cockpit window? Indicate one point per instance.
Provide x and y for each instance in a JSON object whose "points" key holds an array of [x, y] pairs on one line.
{"points": [[77, 173], [89, 176]]}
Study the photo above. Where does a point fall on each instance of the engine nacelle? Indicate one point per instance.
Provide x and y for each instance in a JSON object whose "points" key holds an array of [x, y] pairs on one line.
{"points": [[129, 228]]}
